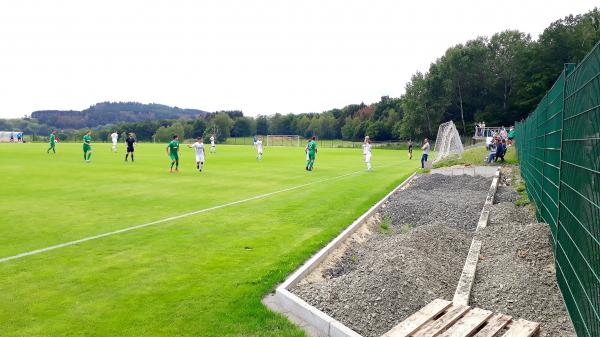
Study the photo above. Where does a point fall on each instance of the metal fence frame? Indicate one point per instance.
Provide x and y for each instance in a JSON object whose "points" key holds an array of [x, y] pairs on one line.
{"points": [[559, 152]]}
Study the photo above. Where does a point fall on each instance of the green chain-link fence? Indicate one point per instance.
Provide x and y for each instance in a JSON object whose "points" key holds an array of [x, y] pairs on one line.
{"points": [[559, 152]]}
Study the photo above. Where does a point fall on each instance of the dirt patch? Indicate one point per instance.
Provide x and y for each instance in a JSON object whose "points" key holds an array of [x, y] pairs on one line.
{"points": [[506, 194], [506, 191]]}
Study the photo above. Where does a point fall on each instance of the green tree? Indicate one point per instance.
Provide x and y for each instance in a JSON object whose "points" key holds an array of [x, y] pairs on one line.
{"points": [[465, 68], [165, 134], [377, 131], [416, 121], [313, 128], [507, 57], [242, 127], [198, 128], [301, 125], [349, 128], [262, 125], [223, 124], [327, 126]]}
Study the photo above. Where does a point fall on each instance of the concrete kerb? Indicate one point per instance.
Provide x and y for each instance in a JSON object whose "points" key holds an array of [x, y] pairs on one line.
{"points": [[314, 317], [465, 283], [484, 171], [489, 200]]}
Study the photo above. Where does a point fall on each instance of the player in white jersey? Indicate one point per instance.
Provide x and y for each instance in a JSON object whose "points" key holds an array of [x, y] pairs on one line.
{"points": [[259, 148], [213, 147], [306, 149], [115, 138], [367, 152], [199, 146]]}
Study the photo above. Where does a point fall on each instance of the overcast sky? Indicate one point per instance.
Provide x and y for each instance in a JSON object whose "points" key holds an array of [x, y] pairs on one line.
{"points": [[261, 57]]}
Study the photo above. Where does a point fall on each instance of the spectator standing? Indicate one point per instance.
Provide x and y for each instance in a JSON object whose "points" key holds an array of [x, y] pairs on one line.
{"points": [[511, 135], [425, 149]]}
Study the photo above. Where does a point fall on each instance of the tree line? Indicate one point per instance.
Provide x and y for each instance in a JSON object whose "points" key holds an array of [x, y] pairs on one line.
{"points": [[112, 112], [497, 80]]}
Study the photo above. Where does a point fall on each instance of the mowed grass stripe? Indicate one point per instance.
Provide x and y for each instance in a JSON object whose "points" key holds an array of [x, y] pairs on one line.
{"points": [[172, 218]]}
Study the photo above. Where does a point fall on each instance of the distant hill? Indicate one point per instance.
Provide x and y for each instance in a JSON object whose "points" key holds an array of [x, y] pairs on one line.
{"points": [[111, 113]]}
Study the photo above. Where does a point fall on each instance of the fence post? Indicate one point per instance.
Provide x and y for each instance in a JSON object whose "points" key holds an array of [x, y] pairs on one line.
{"points": [[567, 70]]}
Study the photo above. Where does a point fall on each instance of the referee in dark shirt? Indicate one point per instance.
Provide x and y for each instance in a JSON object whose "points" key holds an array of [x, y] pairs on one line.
{"points": [[130, 140]]}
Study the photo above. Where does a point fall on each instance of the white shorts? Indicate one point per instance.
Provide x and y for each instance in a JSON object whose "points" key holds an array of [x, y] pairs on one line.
{"points": [[114, 143], [200, 158], [367, 158]]}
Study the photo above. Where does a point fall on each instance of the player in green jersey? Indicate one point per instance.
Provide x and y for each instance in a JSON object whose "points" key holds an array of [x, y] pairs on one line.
{"points": [[173, 152], [87, 146], [311, 149], [52, 142]]}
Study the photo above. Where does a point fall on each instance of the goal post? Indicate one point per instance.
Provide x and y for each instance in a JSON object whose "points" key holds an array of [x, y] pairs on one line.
{"points": [[283, 140], [447, 142]]}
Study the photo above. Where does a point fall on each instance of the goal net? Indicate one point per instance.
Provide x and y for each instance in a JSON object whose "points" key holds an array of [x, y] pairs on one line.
{"points": [[283, 140], [447, 142]]}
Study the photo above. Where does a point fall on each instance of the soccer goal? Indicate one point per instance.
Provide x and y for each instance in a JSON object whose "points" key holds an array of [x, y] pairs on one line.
{"points": [[283, 140], [11, 136], [447, 142]]}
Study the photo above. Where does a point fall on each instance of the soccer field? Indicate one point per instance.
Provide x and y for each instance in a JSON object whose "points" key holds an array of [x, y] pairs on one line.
{"points": [[201, 274]]}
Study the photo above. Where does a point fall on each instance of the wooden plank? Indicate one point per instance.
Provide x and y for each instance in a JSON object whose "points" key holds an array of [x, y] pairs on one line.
{"points": [[419, 318], [433, 328], [493, 326], [463, 290], [522, 328], [468, 323]]}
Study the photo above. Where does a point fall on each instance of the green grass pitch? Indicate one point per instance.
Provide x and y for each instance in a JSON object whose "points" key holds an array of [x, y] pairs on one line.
{"points": [[201, 275]]}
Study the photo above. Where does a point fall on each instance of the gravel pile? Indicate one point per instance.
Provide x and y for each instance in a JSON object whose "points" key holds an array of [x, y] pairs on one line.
{"points": [[516, 274], [390, 277], [505, 191], [436, 199], [382, 279], [506, 194], [413, 251]]}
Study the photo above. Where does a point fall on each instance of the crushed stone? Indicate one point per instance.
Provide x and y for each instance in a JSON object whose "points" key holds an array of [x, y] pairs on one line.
{"points": [[516, 273], [414, 254]]}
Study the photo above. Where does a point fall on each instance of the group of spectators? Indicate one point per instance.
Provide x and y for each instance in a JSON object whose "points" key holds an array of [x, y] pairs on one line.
{"points": [[16, 137], [481, 129], [499, 143]]}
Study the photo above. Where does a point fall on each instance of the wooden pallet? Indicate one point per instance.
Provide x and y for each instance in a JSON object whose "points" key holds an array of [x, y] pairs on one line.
{"points": [[444, 319]]}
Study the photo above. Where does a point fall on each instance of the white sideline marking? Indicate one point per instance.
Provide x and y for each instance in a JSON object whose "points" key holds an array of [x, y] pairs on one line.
{"points": [[204, 210]]}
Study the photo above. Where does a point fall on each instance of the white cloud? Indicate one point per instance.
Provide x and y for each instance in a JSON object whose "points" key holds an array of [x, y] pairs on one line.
{"points": [[258, 56]]}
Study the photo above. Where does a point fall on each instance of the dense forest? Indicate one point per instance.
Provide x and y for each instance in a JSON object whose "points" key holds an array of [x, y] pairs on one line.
{"points": [[498, 80]]}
